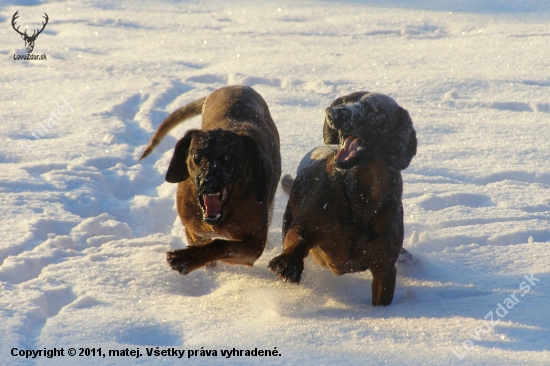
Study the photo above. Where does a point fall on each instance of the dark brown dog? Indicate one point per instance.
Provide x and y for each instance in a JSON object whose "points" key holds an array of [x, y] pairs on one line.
{"points": [[227, 173], [345, 204]]}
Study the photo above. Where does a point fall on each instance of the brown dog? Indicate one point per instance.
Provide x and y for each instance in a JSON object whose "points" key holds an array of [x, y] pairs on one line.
{"points": [[227, 175], [345, 204]]}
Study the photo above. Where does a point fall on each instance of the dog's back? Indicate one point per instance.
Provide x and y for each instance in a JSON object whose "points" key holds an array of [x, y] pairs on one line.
{"points": [[242, 110]]}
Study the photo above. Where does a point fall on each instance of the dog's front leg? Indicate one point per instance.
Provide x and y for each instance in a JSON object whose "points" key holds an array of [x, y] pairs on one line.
{"points": [[380, 254], [383, 285], [289, 265], [188, 259]]}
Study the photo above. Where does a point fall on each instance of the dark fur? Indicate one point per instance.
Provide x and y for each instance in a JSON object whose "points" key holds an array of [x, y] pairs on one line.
{"points": [[236, 151], [348, 214]]}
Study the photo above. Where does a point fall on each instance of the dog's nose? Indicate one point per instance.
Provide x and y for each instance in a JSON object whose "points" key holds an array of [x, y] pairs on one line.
{"points": [[211, 184]]}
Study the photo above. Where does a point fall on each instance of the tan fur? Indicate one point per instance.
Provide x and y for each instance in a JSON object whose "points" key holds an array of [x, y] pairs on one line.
{"points": [[240, 236]]}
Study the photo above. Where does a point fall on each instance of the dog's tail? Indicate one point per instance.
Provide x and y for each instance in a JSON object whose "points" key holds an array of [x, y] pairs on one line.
{"points": [[190, 110], [286, 182]]}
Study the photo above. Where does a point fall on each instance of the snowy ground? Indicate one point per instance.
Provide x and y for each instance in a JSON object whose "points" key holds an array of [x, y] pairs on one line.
{"points": [[85, 226]]}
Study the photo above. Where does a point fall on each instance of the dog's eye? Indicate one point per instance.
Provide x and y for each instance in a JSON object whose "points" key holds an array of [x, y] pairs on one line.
{"points": [[197, 158]]}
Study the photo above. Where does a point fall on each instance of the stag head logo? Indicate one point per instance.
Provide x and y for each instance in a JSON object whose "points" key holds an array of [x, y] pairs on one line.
{"points": [[29, 40]]}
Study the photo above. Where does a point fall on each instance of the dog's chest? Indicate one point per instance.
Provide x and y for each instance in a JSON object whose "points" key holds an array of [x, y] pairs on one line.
{"points": [[209, 232], [358, 196]]}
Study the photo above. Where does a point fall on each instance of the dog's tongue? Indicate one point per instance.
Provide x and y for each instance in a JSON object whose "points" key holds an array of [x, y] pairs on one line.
{"points": [[213, 205], [349, 149]]}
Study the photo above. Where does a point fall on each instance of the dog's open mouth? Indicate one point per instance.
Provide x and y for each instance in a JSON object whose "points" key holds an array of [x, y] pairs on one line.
{"points": [[212, 204], [349, 150]]}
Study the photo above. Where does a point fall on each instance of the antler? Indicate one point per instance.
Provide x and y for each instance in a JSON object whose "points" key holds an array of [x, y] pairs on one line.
{"points": [[15, 16], [34, 34], [43, 25]]}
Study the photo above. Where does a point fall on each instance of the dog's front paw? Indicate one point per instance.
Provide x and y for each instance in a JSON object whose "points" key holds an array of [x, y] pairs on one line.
{"points": [[287, 267], [180, 260]]}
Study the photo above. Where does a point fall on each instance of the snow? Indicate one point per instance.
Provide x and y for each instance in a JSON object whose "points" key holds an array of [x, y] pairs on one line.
{"points": [[85, 226]]}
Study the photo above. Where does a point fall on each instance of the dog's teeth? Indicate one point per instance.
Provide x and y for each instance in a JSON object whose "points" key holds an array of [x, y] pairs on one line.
{"points": [[218, 216], [360, 148]]}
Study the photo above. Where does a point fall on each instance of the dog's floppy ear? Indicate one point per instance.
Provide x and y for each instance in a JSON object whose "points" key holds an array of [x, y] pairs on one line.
{"points": [[330, 135], [177, 170], [399, 147], [258, 168]]}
